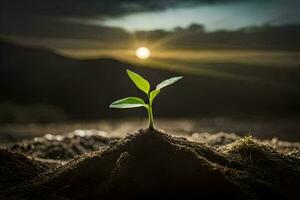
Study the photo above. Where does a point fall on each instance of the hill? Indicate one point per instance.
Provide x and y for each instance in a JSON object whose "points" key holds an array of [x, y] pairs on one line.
{"points": [[83, 89]]}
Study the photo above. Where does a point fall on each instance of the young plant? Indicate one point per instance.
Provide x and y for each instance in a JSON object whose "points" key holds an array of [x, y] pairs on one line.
{"points": [[143, 84]]}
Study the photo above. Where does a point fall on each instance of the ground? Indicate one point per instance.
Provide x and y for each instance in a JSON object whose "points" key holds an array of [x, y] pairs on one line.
{"points": [[87, 164]]}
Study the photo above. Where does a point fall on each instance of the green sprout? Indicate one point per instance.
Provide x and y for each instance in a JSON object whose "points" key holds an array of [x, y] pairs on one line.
{"points": [[143, 84]]}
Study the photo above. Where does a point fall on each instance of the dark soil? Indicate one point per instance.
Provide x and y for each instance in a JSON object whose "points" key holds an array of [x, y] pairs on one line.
{"points": [[152, 164], [63, 147]]}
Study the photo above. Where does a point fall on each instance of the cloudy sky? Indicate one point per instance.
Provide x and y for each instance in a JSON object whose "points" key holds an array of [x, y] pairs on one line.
{"points": [[81, 22], [19, 16], [98, 28], [215, 16]]}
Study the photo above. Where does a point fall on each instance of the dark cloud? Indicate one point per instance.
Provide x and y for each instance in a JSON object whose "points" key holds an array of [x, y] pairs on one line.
{"points": [[86, 8], [43, 17], [53, 28]]}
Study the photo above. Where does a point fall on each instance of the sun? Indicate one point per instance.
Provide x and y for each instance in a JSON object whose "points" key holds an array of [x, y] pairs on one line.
{"points": [[142, 52]]}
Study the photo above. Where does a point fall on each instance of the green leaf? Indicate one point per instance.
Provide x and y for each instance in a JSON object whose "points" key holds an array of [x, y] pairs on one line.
{"points": [[128, 102], [139, 81], [153, 94], [168, 82]]}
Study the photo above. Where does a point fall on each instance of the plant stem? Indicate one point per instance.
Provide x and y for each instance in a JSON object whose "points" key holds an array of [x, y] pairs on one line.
{"points": [[150, 113], [150, 116]]}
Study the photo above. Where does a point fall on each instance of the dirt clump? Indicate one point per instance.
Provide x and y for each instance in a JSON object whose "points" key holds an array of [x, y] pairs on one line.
{"points": [[63, 147], [273, 174]]}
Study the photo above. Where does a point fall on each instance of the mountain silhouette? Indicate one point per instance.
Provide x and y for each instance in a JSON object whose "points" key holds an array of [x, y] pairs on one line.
{"points": [[83, 89]]}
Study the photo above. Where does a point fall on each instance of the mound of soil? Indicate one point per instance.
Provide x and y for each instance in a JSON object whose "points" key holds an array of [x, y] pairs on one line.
{"points": [[152, 164], [221, 138]]}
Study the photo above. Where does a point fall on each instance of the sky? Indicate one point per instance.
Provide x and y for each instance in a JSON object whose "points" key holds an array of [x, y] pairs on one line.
{"points": [[223, 15], [115, 28], [84, 24], [29, 17]]}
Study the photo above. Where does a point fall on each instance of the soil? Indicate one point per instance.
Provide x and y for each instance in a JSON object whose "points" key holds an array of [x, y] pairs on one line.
{"points": [[150, 164], [63, 147]]}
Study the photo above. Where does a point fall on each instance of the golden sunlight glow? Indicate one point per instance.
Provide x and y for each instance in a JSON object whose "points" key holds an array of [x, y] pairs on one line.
{"points": [[142, 53]]}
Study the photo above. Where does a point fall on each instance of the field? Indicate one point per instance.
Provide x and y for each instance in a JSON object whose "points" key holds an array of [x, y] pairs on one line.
{"points": [[92, 164], [282, 128]]}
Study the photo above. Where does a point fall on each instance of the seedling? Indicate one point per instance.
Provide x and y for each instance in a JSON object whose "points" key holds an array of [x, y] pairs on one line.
{"points": [[143, 84]]}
